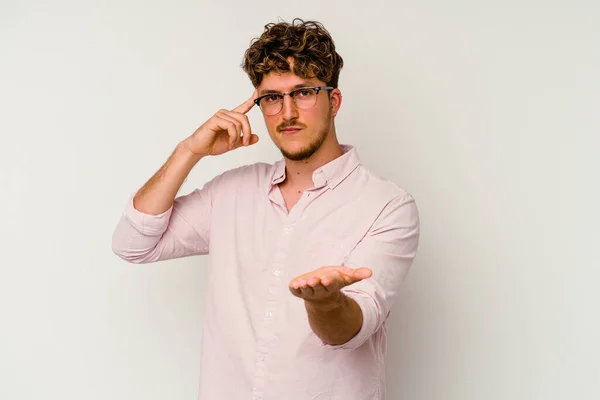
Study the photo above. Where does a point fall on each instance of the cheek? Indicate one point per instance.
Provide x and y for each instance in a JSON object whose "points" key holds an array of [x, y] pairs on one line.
{"points": [[321, 119], [315, 117], [271, 124]]}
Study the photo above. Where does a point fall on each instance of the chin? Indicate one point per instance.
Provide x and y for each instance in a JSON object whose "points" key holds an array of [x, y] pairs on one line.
{"points": [[297, 156], [300, 151]]}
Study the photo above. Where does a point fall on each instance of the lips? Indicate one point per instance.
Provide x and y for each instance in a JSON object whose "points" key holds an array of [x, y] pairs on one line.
{"points": [[291, 130]]}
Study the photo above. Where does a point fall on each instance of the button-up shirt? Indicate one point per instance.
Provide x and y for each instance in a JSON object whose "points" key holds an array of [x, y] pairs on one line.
{"points": [[257, 342]]}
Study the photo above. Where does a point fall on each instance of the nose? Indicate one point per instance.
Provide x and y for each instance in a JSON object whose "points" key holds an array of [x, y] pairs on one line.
{"points": [[289, 110]]}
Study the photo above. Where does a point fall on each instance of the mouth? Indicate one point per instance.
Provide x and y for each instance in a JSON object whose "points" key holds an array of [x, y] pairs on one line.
{"points": [[290, 130]]}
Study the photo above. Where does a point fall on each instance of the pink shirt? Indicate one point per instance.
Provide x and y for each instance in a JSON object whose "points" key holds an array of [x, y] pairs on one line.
{"points": [[257, 342]]}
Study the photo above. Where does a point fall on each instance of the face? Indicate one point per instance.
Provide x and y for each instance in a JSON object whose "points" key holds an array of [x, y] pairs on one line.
{"points": [[299, 133]]}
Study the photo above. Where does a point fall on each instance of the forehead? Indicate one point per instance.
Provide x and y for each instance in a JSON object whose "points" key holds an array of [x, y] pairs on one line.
{"points": [[280, 82]]}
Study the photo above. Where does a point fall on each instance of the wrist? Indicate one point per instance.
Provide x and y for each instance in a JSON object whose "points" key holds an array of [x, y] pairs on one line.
{"points": [[183, 149]]}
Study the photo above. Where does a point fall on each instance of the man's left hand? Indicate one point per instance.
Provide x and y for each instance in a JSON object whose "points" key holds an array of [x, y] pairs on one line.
{"points": [[325, 283]]}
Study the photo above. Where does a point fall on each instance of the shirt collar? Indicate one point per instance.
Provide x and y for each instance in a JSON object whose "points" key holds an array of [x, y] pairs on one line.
{"points": [[330, 174]]}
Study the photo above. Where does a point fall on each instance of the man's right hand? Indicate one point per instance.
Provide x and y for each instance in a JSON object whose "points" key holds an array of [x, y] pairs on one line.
{"points": [[221, 133]]}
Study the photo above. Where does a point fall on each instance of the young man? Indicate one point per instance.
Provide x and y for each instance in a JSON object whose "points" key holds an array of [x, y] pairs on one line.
{"points": [[307, 255]]}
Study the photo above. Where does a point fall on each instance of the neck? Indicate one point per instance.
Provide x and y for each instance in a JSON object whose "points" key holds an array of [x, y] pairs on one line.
{"points": [[299, 173]]}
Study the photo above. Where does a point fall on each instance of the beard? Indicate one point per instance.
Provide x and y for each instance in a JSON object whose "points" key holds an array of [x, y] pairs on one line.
{"points": [[312, 147]]}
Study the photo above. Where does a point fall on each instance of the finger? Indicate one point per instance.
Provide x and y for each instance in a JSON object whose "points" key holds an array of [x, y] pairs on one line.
{"points": [[317, 272], [355, 275], [339, 277], [298, 283], [244, 124], [327, 280], [247, 105], [231, 129], [320, 275], [313, 281], [346, 270], [321, 290], [296, 292], [307, 292], [238, 125], [239, 143], [334, 282], [224, 114], [363, 273], [254, 139]]}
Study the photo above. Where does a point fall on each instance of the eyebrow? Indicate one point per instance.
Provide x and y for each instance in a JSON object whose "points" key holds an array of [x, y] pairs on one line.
{"points": [[298, 86]]}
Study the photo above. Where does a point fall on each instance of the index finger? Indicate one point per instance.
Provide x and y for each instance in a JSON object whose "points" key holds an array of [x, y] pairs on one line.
{"points": [[247, 105]]}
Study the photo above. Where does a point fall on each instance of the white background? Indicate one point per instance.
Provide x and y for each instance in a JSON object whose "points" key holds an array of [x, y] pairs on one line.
{"points": [[486, 111]]}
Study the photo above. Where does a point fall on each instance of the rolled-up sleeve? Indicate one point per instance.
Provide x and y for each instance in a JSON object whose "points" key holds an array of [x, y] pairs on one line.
{"points": [[388, 249], [183, 230]]}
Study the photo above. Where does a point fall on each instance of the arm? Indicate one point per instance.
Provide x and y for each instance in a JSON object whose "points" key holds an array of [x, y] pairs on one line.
{"points": [[337, 321], [389, 249], [158, 194], [218, 135], [347, 304], [334, 317], [156, 225]]}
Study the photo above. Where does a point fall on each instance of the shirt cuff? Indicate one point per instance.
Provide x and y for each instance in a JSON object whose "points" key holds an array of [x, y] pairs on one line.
{"points": [[369, 316], [147, 224]]}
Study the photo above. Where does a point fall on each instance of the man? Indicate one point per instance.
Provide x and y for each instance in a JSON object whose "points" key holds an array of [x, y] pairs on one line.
{"points": [[307, 255]]}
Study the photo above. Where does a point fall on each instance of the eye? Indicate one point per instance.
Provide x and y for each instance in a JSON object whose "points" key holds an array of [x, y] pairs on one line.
{"points": [[272, 98], [304, 92]]}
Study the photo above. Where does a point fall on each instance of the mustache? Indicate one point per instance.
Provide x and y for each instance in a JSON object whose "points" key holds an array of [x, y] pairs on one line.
{"points": [[287, 125]]}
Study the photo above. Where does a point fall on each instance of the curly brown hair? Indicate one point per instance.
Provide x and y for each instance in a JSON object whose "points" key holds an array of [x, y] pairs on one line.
{"points": [[308, 43]]}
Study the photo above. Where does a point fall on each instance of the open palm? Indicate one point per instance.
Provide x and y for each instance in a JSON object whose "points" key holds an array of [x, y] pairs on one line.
{"points": [[325, 282]]}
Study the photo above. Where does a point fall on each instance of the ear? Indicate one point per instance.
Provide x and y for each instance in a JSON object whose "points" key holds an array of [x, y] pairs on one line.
{"points": [[335, 101]]}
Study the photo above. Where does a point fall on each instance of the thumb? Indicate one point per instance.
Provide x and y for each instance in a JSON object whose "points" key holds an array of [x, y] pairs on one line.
{"points": [[253, 140], [362, 273], [351, 276]]}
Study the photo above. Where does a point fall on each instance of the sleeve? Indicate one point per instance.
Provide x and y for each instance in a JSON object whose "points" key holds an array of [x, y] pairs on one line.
{"points": [[181, 231], [388, 249]]}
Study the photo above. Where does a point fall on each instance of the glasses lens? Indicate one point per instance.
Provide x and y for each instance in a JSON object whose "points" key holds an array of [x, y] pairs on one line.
{"points": [[271, 104], [305, 98]]}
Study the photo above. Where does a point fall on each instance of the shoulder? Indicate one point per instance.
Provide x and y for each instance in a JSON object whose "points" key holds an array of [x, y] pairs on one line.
{"points": [[243, 177], [377, 186], [256, 171], [394, 206]]}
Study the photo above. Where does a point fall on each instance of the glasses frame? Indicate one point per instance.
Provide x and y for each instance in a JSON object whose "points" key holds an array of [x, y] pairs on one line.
{"points": [[317, 89]]}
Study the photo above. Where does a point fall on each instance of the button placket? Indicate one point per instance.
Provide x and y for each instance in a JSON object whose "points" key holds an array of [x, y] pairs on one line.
{"points": [[267, 335]]}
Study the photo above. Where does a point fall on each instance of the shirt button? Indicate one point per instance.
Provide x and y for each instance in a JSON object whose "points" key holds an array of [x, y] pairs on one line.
{"points": [[269, 314], [276, 272], [287, 230]]}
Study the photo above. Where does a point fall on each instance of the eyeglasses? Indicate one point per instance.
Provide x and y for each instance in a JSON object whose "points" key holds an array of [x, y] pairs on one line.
{"points": [[304, 98]]}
